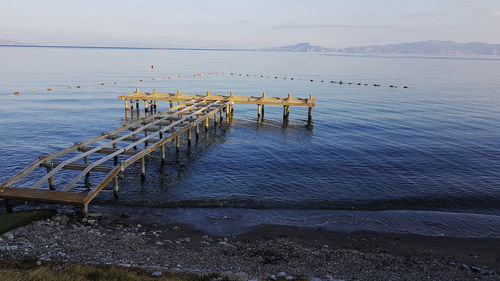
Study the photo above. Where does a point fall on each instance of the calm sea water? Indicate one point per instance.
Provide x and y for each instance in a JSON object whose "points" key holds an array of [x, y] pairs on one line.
{"points": [[434, 146]]}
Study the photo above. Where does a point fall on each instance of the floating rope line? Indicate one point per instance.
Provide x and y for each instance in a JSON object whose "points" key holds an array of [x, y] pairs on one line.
{"points": [[319, 81], [179, 76]]}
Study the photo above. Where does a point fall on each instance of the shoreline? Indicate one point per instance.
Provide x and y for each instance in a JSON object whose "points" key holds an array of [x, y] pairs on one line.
{"points": [[258, 253]]}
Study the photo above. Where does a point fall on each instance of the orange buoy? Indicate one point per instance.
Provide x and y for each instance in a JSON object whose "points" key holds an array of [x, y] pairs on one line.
{"points": [[153, 79], [102, 83], [140, 80], [16, 93], [49, 89], [78, 87], [115, 83]]}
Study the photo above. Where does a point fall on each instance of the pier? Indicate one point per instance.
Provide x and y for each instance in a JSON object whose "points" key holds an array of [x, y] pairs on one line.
{"points": [[150, 101], [112, 152]]}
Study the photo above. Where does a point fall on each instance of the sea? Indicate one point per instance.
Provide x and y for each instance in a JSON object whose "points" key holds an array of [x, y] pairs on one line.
{"points": [[422, 156]]}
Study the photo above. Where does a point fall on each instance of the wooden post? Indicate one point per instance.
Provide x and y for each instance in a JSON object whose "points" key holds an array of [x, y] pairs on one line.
{"points": [[177, 143], [143, 168], [161, 133], [115, 146], [163, 153], [86, 160], [189, 136], [126, 104], [206, 124], [137, 105], [197, 131], [309, 116], [115, 186], [145, 105], [171, 104], [145, 135], [51, 180], [220, 119], [85, 210], [8, 205], [215, 120]]}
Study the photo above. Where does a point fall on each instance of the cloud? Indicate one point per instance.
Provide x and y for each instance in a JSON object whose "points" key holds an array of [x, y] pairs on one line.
{"points": [[317, 26], [495, 13]]}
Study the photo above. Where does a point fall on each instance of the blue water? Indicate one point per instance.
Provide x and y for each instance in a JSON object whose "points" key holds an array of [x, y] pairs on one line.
{"points": [[433, 146]]}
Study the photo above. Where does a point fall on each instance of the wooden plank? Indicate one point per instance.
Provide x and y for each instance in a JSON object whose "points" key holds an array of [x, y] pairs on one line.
{"points": [[132, 139], [43, 195], [78, 167], [106, 150]]}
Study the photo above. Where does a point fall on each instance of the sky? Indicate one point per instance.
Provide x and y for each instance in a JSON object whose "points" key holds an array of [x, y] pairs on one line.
{"points": [[247, 24]]}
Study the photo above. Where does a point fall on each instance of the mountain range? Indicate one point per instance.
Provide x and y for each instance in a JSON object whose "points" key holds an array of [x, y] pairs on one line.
{"points": [[433, 47]]}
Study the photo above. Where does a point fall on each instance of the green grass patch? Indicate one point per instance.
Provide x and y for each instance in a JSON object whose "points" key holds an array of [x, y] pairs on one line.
{"points": [[29, 272], [22, 218]]}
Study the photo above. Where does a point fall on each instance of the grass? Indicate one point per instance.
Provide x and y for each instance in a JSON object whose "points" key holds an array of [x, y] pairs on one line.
{"points": [[21, 271], [18, 219]]}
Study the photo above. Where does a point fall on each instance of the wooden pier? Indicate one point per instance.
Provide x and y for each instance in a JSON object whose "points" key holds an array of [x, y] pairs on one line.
{"points": [[112, 152], [150, 101]]}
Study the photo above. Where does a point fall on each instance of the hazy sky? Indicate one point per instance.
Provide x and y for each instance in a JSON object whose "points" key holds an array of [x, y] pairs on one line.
{"points": [[248, 24]]}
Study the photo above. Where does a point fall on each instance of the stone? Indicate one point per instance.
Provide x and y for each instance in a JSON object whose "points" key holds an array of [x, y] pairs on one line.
{"points": [[204, 237], [281, 274], [9, 235], [272, 277], [157, 274], [176, 228], [242, 276], [314, 279], [38, 263], [464, 266], [90, 221], [18, 231], [125, 215], [475, 269], [95, 215], [61, 219], [289, 277], [159, 243], [139, 225], [488, 272]]}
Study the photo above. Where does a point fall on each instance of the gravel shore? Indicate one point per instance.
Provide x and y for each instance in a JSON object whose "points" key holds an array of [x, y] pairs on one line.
{"points": [[259, 254]]}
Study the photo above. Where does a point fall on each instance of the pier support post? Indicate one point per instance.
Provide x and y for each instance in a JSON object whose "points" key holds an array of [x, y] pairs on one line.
{"points": [[262, 112], [51, 180], [197, 131], [85, 211], [115, 159], [171, 104], [163, 153], [8, 205], [145, 105], [177, 144], [145, 135], [115, 187], [259, 108], [215, 120], [126, 104], [221, 116], [161, 134], [143, 168], [189, 137], [137, 105], [309, 116], [206, 124]]}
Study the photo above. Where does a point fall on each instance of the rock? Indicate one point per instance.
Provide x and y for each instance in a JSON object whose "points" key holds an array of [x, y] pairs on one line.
{"points": [[1, 239], [242, 276], [464, 266], [139, 225], [84, 220], [488, 272], [3, 248], [281, 274], [18, 231], [159, 243], [125, 215], [38, 263], [176, 228], [9, 235], [475, 269], [90, 221], [289, 277], [60, 219], [204, 237], [314, 279], [272, 277], [157, 274], [95, 215]]}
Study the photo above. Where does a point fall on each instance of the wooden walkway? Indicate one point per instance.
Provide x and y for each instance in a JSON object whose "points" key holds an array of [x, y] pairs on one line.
{"points": [[150, 100], [151, 133]]}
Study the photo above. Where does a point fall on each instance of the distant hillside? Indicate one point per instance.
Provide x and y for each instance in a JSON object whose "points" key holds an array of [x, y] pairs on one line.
{"points": [[301, 47], [422, 47], [8, 42]]}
